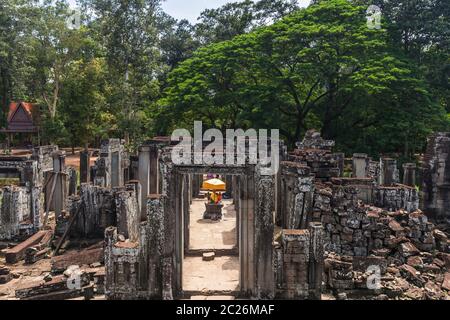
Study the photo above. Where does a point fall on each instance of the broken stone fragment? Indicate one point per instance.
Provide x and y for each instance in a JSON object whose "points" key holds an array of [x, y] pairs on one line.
{"points": [[395, 226], [414, 294], [4, 270], [381, 252], [48, 277], [439, 235], [446, 258], [393, 270], [433, 291], [415, 262], [412, 275], [426, 257], [446, 283], [342, 296], [431, 268], [70, 270], [382, 297], [402, 284], [209, 256], [393, 242], [407, 249], [439, 263]]}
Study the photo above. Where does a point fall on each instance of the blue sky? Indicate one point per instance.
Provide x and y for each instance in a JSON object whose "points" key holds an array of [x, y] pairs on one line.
{"points": [[191, 9]]}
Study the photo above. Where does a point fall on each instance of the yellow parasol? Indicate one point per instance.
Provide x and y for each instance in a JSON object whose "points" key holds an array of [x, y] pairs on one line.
{"points": [[214, 185]]}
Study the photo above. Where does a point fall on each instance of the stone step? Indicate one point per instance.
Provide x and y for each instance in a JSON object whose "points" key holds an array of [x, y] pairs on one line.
{"points": [[210, 294], [234, 252], [212, 298]]}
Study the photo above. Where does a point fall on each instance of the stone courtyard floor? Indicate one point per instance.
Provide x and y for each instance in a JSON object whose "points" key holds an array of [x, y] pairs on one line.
{"points": [[219, 275], [207, 234], [219, 278]]}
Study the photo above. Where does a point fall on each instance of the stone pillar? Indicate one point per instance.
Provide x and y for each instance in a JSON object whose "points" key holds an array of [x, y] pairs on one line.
{"points": [[110, 241], [264, 228], [154, 170], [144, 176], [36, 207], [59, 197], [196, 185], [340, 158], [389, 174], [167, 291], [297, 189], [116, 169], [34, 184], [31, 175], [435, 191], [171, 182], [247, 239], [60, 193], [136, 186], [85, 169], [190, 182], [134, 168], [10, 207], [128, 216], [296, 254], [155, 234], [409, 174], [316, 260], [278, 200], [186, 204], [59, 161], [360, 165], [236, 193], [229, 185], [73, 181]]}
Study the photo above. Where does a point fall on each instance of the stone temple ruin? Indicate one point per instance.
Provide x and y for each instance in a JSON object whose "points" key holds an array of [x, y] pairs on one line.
{"points": [[323, 224]]}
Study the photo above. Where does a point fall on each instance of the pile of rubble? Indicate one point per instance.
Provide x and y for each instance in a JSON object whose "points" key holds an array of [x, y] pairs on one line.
{"points": [[315, 153], [75, 282], [423, 276], [356, 229], [411, 256], [31, 269], [5, 275], [373, 252]]}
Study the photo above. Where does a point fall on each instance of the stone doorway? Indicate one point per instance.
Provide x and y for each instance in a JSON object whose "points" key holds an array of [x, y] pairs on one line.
{"points": [[253, 197], [217, 273], [156, 257]]}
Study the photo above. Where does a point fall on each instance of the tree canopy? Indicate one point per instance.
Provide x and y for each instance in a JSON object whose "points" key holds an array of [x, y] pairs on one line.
{"points": [[132, 71], [319, 67]]}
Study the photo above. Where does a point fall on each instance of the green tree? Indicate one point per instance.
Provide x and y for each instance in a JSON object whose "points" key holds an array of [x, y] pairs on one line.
{"points": [[237, 18], [177, 40], [128, 31], [84, 102], [55, 46], [320, 67], [15, 51], [422, 27]]}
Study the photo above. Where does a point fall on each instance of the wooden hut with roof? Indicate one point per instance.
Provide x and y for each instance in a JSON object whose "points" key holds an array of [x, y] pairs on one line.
{"points": [[22, 126]]}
